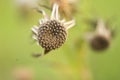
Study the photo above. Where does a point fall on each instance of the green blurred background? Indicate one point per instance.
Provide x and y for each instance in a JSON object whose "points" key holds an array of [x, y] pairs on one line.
{"points": [[73, 61]]}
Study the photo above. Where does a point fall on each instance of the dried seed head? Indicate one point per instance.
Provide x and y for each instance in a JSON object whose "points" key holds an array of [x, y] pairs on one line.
{"points": [[51, 35], [99, 43], [100, 39], [52, 31]]}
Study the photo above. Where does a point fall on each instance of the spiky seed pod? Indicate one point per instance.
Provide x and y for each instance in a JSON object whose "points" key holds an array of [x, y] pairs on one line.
{"points": [[52, 32], [99, 43], [51, 35], [100, 39]]}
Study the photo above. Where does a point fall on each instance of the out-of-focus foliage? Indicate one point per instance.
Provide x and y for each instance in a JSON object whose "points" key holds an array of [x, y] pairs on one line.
{"points": [[73, 61]]}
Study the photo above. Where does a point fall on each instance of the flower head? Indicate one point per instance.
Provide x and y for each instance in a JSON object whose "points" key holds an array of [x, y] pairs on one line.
{"points": [[52, 32], [100, 39]]}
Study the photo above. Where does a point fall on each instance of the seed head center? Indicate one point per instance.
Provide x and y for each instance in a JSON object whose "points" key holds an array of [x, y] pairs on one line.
{"points": [[51, 35]]}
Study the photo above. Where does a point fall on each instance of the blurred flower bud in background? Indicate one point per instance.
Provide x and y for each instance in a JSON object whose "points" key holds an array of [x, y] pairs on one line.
{"points": [[100, 39], [25, 7], [23, 73], [67, 7]]}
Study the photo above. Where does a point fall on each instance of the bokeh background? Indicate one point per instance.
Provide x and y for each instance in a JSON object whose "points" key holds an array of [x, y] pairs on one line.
{"points": [[73, 61]]}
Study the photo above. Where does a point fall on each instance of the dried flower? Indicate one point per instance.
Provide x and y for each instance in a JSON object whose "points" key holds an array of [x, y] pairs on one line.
{"points": [[101, 38], [67, 7], [52, 32]]}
